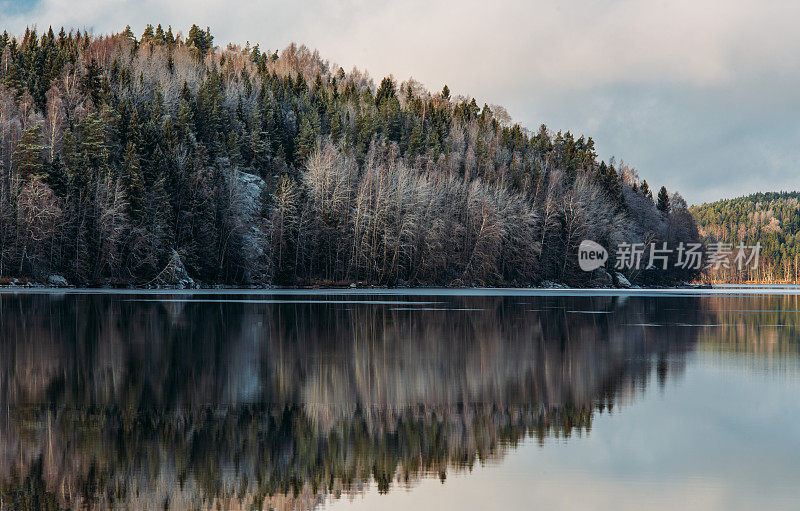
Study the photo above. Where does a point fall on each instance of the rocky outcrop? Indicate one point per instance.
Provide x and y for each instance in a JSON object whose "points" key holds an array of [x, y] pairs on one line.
{"points": [[601, 279], [621, 281], [248, 220], [57, 281], [174, 274]]}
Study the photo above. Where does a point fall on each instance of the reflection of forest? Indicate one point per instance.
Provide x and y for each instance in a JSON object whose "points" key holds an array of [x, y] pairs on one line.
{"points": [[762, 326], [142, 404]]}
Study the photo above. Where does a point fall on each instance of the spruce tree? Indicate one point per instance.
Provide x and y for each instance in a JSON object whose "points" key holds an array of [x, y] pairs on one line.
{"points": [[94, 148], [385, 92], [185, 119], [644, 188], [169, 38], [132, 182], [416, 142], [148, 35], [159, 35], [663, 200], [336, 127], [28, 155], [201, 40], [92, 82], [305, 141]]}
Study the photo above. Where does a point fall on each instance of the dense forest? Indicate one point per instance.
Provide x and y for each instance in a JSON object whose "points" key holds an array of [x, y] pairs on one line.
{"points": [[772, 219], [148, 160]]}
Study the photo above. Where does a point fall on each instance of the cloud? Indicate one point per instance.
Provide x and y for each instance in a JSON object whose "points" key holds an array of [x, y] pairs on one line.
{"points": [[699, 96]]}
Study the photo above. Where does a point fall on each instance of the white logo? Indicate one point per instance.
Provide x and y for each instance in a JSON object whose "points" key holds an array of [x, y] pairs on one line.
{"points": [[591, 255]]}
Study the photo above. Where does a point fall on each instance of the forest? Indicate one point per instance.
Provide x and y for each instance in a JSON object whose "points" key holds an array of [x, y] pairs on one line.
{"points": [[771, 219], [162, 158]]}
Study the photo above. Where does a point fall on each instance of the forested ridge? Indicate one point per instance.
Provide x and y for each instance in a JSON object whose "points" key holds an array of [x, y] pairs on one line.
{"points": [[127, 160], [771, 219]]}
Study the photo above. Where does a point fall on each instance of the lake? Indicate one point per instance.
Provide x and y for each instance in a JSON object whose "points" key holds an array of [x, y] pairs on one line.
{"points": [[398, 399]]}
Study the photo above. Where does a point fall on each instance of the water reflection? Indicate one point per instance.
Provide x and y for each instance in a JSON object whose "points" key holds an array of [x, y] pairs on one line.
{"points": [[142, 401]]}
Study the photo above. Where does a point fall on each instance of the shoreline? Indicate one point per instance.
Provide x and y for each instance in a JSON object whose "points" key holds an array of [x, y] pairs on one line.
{"points": [[725, 290], [20, 284]]}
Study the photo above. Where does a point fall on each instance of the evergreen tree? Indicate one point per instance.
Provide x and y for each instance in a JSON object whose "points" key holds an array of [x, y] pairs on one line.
{"points": [[159, 35], [148, 35], [94, 148], [663, 200], [28, 155], [92, 81], [416, 142], [132, 182], [385, 92], [200, 39], [336, 127], [169, 38], [305, 141], [644, 188], [185, 119]]}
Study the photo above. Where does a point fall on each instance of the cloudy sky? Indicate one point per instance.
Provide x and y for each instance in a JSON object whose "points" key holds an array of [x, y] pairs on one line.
{"points": [[700, 96]]}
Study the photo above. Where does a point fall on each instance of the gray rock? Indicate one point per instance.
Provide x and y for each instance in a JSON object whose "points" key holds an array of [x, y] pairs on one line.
{"points": [[602, 278], [174, 275], [622, 281], [249, 191], [549, 284], [57, 281]]}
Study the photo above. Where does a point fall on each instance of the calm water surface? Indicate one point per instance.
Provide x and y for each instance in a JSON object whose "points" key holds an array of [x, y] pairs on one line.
{"points": [[400, 399]]}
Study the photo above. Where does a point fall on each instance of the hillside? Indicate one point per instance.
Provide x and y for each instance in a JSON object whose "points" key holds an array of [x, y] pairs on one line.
{"points": [[127, 161], [772, 219]]}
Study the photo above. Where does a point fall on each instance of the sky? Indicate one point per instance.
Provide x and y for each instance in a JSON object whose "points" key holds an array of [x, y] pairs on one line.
{"points": [[702, 96]]}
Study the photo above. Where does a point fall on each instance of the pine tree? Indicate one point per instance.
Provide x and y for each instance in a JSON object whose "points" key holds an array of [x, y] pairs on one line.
{"points": [[416, 142], [185, 119], [663, 200], [92, 81], [644, 189], [386, 91], [94, 148], [201, 40], [169, 38], [336, 127], [147, 36], [305, 141], [159, 35], [394, 119], [28, 155], [261, 151]]}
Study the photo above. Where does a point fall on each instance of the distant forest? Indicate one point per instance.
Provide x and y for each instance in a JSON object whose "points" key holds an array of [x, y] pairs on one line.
{"points": [[772, 219], [130, 160]]}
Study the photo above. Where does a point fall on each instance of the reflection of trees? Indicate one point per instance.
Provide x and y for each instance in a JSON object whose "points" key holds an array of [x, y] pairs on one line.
{"points": [[197, 404], [766, 325]]}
